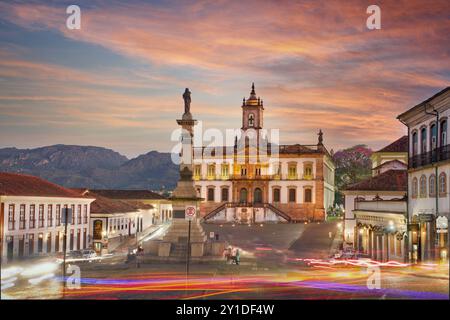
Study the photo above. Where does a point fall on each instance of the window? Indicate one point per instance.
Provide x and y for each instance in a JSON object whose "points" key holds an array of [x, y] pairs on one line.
{"points": [[423, 136], [49, 215], [243, 195], [433, 136], [32, 216], [307, 171], [443, 133], [276, 195], [85, 214], [11, 221], [442, 184], [22, 217], [292, 171], [211, 171], [257, 196], [423, 186], [210, 194], [414, 188], [258, 171], [292, 195], [41, 216], [225, 170], [58, 215], [243, 171], [73, 213], [79, 214], [415, 143], [432, 183], [251, 120], [224, 196], [197, 172], [308, 195]]}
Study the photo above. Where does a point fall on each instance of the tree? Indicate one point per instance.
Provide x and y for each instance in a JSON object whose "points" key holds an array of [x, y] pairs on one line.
{"points": [[352, 165]]}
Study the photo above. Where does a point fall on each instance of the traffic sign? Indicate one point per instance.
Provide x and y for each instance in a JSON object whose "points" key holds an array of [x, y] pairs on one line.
{"points": [[189, 212]]}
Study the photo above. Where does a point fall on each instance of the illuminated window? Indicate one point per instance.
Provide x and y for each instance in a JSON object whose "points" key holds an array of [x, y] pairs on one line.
{"points": [[292, 171], [197, 172], [211, 171], [307, 171], [225, 169]]}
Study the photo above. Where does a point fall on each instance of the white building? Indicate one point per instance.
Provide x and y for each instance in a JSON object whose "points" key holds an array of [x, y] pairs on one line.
{"points": [[388, 182], [428, 177], [30, 217], [162, 206], [114, 221]]}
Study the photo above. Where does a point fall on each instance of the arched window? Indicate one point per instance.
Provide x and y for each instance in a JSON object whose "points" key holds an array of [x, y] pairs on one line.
{"points": [[423, 186], [243, 195], [442, 184], [251, 120], [423, 140], [433, 136], [415, 146], [432, 183], [443, 133], [414, 188], [257, 196]]}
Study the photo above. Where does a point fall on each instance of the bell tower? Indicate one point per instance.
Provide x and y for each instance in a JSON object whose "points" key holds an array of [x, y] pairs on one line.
{"points": [[252, 112]]}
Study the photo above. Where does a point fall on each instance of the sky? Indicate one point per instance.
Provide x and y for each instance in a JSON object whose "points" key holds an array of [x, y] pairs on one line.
{"points": [[118, 81]]}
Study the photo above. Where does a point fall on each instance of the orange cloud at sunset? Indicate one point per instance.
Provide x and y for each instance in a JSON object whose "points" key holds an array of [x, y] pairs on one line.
{"points": [[314, 63]]}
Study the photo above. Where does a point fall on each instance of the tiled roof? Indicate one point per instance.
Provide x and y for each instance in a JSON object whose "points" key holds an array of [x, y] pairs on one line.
{"points": [[15, 184], [129, 194], [399, 145], [110, 206], [391, 180]]}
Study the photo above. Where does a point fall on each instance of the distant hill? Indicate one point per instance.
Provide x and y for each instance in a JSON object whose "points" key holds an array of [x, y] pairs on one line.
{"points": [[92, 167]]}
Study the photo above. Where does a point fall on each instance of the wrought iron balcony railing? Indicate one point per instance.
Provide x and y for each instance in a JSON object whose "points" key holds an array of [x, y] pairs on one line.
{"points": [[434, 156]]}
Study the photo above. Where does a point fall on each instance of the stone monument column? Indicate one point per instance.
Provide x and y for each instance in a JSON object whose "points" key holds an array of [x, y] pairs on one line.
{"points": [[175, 242]]}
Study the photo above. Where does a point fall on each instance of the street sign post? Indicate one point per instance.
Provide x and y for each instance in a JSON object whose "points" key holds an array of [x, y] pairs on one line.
{"points": [[189, 214]]}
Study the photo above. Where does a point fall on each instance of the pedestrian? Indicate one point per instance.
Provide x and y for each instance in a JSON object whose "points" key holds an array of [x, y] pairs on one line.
{"points": [[237, 257], [233, 255]]}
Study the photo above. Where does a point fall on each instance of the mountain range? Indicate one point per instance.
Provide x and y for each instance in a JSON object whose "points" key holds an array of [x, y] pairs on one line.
{"points": [[92, 167]]}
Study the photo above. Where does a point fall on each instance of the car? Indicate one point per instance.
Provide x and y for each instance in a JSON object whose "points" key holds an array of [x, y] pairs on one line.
{"points": [[89, 254]]}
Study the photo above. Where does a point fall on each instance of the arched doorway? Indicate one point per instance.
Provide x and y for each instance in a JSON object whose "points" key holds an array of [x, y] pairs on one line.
{"points": [[243, 195], [257, 196]]}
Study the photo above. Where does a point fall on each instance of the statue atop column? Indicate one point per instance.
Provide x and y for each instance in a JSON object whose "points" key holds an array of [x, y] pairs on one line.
{"points": [[187, 101]]}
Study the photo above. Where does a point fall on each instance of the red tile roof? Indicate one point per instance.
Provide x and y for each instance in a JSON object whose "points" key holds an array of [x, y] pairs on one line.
{"points": [[109, 206], [399, 145], [391, 180], [129, 194], [15, 184]]}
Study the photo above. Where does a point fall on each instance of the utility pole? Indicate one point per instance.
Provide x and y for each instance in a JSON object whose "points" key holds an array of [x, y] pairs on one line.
{"points": [[67, 213]]}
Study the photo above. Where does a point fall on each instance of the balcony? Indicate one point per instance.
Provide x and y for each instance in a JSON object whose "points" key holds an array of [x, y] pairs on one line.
{"points": [[438, 154]]}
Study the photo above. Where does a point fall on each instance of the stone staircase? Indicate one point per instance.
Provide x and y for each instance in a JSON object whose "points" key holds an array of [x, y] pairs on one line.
{"points": [[176, 235]]}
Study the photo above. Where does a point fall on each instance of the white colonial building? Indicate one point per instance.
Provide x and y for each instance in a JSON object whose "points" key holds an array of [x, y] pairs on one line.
{"points": [[388, 182], [428, 177], [30, 217]]}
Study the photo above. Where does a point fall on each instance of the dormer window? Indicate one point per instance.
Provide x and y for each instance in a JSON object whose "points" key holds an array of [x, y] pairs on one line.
{"points": [[251, 120]]}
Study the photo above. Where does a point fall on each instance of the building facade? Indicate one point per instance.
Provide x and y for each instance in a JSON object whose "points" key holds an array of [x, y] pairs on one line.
{"points": [[250, 183], [30, 217], [113, 222], [428, 177], [375, 208]]}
